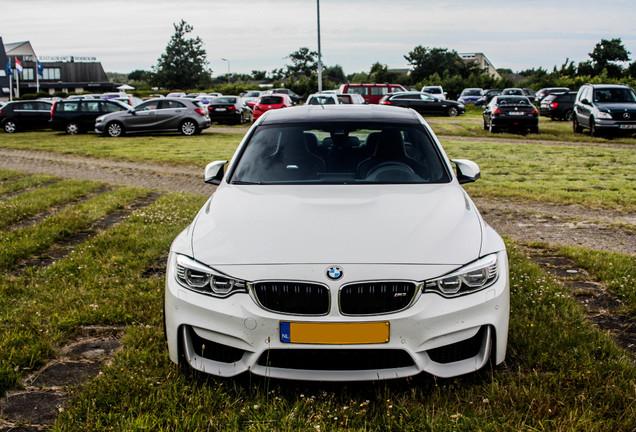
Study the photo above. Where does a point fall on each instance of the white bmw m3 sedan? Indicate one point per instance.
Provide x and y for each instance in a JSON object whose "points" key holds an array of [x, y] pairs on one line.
{"points": [[339, 245]]}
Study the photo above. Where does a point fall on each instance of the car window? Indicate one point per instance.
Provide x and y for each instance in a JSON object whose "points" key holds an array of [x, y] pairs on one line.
{"points": [[271, 100], [71, 106], [427, 97], [225, 100], [91, 106], [111, 107], [614, 95], [378, 91], [43, 106], [345, 99], [321, 100], [170, 104], [358, 90], [340, 153], [150, 105], [402, 96]]}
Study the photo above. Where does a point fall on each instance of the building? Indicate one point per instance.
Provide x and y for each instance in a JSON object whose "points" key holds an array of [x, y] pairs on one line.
{"points": [[482, 61], [57, 74]]}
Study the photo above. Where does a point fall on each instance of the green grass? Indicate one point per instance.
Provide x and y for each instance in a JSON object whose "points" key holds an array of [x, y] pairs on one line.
{"points": [[614, 270], [98, 283], [591, 176], [23, 206], [164, 148], [575, 379], [24, 242]]}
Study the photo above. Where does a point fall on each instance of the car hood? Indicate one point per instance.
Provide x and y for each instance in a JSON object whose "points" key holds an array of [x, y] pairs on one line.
{"points": [[399, 224], [617, 107]]}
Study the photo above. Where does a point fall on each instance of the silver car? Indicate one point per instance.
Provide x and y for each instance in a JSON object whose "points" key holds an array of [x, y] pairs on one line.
{"points": [[187, 116]]}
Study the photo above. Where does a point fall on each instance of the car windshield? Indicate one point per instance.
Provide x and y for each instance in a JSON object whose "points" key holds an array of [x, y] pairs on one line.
{"points": [[433, 90], [472, 92], [614, 95], [271, 100], [252, 94], [340, 153]]}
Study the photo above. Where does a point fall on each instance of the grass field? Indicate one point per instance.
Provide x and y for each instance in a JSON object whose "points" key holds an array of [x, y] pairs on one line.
{"points": [[561, 373]]}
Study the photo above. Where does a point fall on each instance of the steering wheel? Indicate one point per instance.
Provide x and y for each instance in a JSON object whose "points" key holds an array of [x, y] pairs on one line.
{"points": [[383, 168]]}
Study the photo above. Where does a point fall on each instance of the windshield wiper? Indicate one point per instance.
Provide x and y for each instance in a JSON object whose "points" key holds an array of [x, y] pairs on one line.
{"points": [[241, 182]]}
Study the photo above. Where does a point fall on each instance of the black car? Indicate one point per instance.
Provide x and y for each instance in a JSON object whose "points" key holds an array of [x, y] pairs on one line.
{"points": [[78, 115], [25, 115], [293, 96], [538, 97], [488, 95], [511, 112], [604, 108], [558, 106], [424, 103], [229, 109]]}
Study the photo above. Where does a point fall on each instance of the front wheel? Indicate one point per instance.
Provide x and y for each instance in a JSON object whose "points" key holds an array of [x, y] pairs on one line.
{"points": [[453, 112], [576, 127], [10, 126], [569, 115], [72, 128], [188, 128], [114, 129], [593, 129]]}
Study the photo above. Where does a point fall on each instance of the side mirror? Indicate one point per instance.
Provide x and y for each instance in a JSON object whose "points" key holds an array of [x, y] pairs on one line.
{"points": [[213, 173], [467, 171], [586, 102]]}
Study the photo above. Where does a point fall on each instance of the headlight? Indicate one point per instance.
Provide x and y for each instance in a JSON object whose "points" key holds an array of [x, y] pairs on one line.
{"points": [[200, 278], [473, 277], [460, 105], [99, 119], [604, 115]]}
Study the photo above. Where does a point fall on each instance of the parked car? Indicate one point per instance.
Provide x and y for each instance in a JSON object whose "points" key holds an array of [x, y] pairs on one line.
{"points": [[424, 103], [351, 99], [250, 97], [487, 97], [295, 98], [372, 93], [176, 95], [322, 99], [25, 115], [229, 109], [513, 91], [605, 108], [84, 96], [123, 97], [548, 90], [78, 115], [470, 96], [531, 94], [510, 112], [158, 115], [435, 91], [341, 246], [270, 102], [558, 106]]}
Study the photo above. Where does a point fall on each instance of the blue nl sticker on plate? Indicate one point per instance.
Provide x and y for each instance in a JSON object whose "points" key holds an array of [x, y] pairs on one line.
{"points": [[284, 332]]}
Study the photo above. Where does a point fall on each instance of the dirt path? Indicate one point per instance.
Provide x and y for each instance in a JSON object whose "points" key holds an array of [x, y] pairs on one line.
{"points": [[523, 221]]}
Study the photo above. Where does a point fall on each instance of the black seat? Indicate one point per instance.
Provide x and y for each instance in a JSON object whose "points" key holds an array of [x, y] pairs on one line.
{"points": [[389, 149]]}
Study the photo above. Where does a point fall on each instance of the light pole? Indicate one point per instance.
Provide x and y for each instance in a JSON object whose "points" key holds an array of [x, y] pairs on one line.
{"points": [[319, 51], [228, 69]]}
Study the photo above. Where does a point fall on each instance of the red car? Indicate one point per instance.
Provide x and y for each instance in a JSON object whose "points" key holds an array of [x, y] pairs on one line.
{"points": [[270, 102]]}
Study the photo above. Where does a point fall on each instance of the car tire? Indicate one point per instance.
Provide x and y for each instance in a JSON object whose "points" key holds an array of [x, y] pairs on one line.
{"points": [[569, 115], [114, 129], [534, 129], [492, 128], [72, 128], [593, 129], [453, 112], [10, 126], [576, 128], [240, 119], [485, 125], [188, 128]]}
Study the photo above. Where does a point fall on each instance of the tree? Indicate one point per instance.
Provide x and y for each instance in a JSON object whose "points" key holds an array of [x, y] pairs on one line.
{"points": [[184, 64], [427, 61], [334, 74], [259, 75], [303, 61], [606, 54], [137, 75]]}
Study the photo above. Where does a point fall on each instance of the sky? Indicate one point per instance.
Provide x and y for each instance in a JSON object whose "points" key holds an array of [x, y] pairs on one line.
{"points": [[126, 35]]}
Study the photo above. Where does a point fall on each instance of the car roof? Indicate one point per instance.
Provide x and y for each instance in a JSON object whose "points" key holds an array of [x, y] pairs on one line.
{"points": [[353, 113]]}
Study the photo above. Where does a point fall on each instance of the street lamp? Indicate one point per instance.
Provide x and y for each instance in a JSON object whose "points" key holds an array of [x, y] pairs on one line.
{"points": [[319, 51], [228, 69]]}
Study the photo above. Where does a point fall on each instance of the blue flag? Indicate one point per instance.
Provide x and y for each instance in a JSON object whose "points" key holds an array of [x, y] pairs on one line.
{"points": [[9, 71], [40, 68]]}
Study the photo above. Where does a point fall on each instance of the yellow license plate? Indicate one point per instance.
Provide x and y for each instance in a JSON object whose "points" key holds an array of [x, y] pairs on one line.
{"points": [[334, 333]]}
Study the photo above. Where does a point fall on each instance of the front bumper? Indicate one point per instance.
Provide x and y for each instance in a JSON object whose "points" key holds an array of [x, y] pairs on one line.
{"points": [[442, 336]]}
